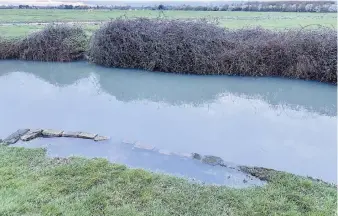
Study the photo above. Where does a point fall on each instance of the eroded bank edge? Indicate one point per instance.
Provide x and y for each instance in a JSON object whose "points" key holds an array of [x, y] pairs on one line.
{"points": [[261, 173]]}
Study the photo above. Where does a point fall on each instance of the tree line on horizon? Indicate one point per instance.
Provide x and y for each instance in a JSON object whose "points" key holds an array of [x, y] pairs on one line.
{"points": [[278, 6]]}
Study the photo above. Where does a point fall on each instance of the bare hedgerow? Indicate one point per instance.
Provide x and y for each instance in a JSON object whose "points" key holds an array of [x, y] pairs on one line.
{"points": [[9, 48], [198, 47], [54, 43], [159, 45], [309, 54]]}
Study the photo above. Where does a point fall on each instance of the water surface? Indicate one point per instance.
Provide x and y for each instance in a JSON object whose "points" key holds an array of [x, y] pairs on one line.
{"points": [[276, 123]]}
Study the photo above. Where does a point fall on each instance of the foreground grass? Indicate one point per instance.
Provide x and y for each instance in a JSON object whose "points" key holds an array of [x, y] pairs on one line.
{"points": [[31, 184], [229, 19]]}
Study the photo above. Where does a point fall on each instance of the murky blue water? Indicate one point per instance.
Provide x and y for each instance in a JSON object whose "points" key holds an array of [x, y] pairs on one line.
{"points": [[288, 125]]}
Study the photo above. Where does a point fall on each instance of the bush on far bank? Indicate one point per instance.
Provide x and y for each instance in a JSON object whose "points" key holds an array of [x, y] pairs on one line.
{"points": [[8, 48], [188, 47], [198, 47], [54, 43]]}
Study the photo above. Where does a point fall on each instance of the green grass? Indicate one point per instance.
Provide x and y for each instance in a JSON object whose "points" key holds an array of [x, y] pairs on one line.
{"points": [[31, 184], [18, 30], [229, 19], [24, 30], [284, 19]]}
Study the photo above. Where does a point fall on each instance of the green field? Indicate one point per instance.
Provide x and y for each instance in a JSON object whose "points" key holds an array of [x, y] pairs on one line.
{"points": [[230, 19], [31, 184]]}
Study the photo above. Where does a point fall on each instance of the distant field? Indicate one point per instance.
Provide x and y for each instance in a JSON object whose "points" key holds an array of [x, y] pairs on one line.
{"points": [[230, 19]]}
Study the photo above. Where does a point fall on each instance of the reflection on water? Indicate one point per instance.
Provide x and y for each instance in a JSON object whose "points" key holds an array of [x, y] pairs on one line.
{"points": [[283, 124], [182, 89]]}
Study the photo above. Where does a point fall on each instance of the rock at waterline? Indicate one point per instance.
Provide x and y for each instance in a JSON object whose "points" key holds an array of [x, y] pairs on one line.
{"points": [[84, 135], [212, 160], [52, 133], [14, 137], [196, 156], [32, 134], [70, 134], [101, 138]]}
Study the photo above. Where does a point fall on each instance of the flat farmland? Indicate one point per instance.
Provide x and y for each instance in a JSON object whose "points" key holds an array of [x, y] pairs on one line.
{"points": [[19, 22]]}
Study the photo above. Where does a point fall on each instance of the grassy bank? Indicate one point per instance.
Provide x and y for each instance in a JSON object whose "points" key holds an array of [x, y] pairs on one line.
{"points": [[31, 184]]}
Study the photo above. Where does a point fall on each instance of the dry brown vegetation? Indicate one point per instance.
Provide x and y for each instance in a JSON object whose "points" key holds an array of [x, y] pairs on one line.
{"points": [[193, 47], [198, 47], [8, 48], [54, 43]]}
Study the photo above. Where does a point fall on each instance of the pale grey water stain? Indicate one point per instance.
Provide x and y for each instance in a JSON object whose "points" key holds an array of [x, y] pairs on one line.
{"points": [[276, 123], [118, 152]]}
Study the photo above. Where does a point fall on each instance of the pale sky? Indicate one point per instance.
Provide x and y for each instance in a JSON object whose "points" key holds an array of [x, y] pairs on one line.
{"points": [[53, 1], [83, 1], [40, 2]]}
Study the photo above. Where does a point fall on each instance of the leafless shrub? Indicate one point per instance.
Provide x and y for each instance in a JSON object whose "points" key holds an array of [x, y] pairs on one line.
{"points": [[309, 54], [54, 43], [8, 48], [170, 46], [199, 47]]}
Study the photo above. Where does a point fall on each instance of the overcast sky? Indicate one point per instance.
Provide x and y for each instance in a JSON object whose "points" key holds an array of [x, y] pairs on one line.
{"points": [[79, 2], [53, 1], [83, 1]]}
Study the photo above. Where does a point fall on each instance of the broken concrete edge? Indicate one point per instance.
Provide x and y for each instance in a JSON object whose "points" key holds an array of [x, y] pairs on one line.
{"points": [[15, 136], [85, 135], [101, 138], [51, 133], [30, 134], [70, 134]]}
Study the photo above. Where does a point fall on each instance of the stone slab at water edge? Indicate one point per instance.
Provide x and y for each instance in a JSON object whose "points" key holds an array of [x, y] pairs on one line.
{"points": [[70, 134], [30, 134], [14, 137], [51, 133]]}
